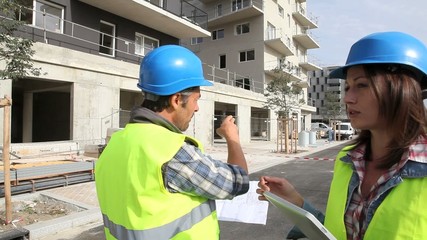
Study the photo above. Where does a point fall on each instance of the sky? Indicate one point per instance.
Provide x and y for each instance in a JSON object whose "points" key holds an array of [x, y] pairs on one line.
{"points": [[342, 22]]}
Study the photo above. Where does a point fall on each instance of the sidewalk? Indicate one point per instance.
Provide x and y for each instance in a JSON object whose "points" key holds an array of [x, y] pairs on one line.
{"points": [[259, 155]]}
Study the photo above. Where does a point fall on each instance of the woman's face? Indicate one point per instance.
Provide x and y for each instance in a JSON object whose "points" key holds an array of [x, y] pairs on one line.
{"points": [[362, 105]]}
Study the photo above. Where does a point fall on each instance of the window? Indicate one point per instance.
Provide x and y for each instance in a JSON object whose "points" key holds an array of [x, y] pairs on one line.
{"points": [[217, 34], [271, 31], [219, 10], [247, 56], [107, 38], [242, 28], [144, 44], [239, 4], [281, 11], [196, 40], [52, 20], [222, 61], [243, 83]]}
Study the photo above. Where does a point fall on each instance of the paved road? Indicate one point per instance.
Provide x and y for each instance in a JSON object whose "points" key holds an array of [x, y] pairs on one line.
{"points": [[310, 177]]}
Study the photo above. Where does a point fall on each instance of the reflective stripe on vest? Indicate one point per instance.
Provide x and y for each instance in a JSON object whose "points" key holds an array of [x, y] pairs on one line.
{"points": [[165, 232]]}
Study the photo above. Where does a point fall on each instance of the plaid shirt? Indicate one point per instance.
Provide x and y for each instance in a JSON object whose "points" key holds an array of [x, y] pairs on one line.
{"points": [[355, 216], [192, 172]]}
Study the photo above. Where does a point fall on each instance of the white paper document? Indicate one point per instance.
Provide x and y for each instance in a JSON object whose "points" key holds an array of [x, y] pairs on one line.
{"points": [[244, 208]]}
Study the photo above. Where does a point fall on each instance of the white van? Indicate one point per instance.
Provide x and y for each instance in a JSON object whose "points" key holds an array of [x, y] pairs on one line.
{"points": [[345, 130], [321, 128]]}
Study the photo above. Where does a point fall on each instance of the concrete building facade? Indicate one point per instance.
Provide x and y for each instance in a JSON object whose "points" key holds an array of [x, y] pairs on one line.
{"points": [[89, 53], [320, 85], [257, 37]]}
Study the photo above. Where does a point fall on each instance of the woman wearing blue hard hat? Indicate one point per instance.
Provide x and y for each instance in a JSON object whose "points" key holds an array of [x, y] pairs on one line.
{"points": [[379, 186], [153, 181]]}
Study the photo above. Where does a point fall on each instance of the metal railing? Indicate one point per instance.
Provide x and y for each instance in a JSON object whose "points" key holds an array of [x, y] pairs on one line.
{"points": [[225, 76], [124, 48], [303, 11], [226, 9], [293, 70], [310, 59], [271, 34], [305, 30]]}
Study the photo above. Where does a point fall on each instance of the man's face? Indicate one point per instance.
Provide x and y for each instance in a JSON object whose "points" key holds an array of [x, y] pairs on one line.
{"points": [[187, 106]]}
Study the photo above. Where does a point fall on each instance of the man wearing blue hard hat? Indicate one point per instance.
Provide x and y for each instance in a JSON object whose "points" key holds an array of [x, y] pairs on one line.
{"points": [[378, 189], [153, 181]]}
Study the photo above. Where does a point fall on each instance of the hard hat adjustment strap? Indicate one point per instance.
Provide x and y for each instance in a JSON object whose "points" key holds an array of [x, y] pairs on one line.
{"points": [[151, 97]]}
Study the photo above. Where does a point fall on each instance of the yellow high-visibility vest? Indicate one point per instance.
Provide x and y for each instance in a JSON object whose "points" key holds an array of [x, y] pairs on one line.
{"points": [[401, 215], [133, 199]]}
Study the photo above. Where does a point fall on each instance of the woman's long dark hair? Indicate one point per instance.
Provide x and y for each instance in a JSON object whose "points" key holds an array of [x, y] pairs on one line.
{"points": [[398, 93]]}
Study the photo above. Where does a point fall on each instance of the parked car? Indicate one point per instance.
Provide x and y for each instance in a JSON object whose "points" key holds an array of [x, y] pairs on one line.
{"points": [[321, 128], [345, 130]]}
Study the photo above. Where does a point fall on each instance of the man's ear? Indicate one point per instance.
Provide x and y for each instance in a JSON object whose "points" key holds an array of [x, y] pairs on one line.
{"points": [[175, 100]]}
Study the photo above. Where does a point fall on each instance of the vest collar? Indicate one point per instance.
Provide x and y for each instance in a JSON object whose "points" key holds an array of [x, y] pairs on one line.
{"points": [[411, 169], [145, 115]]}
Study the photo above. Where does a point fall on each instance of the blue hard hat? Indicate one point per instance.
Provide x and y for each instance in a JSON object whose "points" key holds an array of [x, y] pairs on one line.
{"points": [[170, 69], [387, 47]]}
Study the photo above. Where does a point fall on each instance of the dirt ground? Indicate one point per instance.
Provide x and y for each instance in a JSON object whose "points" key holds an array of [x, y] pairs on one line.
{"points": [[37, 209]]}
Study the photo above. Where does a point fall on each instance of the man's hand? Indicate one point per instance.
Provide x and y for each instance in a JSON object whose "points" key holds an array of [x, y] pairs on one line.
{"points": [[230, 132], [228, 129]]}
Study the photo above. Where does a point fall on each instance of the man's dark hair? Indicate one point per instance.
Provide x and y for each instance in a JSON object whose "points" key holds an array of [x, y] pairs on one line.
{"points": [[162, 102]]}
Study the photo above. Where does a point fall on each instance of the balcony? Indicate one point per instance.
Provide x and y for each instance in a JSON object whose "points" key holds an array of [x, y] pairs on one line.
{"points": [[279, 42], [308, 108], [275, 70], [300, 14], [241, 10], [176, 18], [334, 89], [334, 81], [309, 63], [303, 36]]}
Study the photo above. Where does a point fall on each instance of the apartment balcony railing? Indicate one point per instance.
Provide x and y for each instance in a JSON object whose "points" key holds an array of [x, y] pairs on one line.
{"points": [[225, 76], [84, 39], [335, 81], [159, 15], [305, 38], [275, 69], [275, 39], [185, 10], [309, 63], [241, 9], [304, 18], [333, 89]]}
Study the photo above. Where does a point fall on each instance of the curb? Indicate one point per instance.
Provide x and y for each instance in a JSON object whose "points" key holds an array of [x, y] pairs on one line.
{"points": [[90, 214], [54, 226]]}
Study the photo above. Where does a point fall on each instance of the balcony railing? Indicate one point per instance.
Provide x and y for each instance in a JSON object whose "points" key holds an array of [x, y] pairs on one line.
{"points": [[67, 35], [225, 76], [254, 7], [277, 34], [303, 12]]}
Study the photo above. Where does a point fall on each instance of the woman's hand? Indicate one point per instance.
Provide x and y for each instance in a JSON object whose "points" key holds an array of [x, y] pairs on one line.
{"points": [[281, 187]]}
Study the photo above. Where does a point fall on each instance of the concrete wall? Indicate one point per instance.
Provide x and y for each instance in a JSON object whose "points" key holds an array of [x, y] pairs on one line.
{"points": [[96, 82]]}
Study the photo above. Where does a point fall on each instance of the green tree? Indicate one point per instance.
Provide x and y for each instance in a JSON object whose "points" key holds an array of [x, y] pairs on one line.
{"points": [[15, 52], [283, 94], [332, 107]]}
